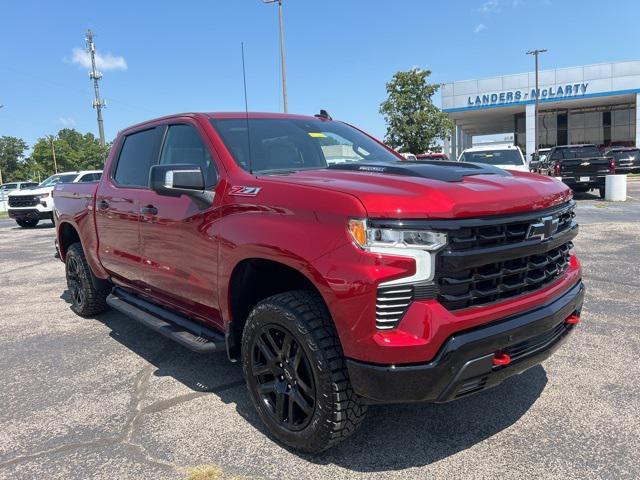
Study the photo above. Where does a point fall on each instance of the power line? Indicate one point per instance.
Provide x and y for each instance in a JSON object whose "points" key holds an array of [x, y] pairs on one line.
{"points": [[95, 75]]}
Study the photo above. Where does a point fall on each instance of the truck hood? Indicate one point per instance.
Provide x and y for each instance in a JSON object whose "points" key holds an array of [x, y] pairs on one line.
{"points": [[438, 190], [31, 191]]}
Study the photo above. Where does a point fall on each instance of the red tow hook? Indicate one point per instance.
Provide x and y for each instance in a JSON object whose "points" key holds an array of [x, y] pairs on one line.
{"points": [[501, 359], [572, 319]]}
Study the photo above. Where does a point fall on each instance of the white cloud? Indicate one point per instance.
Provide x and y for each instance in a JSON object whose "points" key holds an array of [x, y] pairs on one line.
{"points": [[67, 122], [104, 61], [479, 28], [490, 6]]}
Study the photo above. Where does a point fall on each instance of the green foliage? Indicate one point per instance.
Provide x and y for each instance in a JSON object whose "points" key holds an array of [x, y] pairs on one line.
{"points": [[414, 123], [11, 154], [74, 151]]}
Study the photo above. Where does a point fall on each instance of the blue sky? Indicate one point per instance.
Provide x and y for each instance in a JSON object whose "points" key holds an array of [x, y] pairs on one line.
{"points": [[166, 57]]}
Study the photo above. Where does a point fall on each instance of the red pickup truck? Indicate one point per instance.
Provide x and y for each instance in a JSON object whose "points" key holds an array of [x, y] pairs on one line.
{"points": [[339, 274]]}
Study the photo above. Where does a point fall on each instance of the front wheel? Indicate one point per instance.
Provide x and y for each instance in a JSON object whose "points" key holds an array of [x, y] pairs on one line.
{"points": [[86, 299], [296, 374], [27, 223]]}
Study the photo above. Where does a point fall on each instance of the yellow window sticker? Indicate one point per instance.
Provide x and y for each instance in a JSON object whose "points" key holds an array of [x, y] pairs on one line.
{"points": [[317, 135]]}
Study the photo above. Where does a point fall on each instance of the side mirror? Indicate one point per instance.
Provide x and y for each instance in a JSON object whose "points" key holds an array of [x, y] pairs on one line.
{"points": [[174, 180]]}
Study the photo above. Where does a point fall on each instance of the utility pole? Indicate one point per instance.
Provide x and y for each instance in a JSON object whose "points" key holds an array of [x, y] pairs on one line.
{"points": [[53, 153], [285, 103], [536, 53], [95, 75]]}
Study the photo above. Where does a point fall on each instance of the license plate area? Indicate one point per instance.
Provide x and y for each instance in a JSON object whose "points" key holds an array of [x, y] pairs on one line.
{"points": [[584, 179]]}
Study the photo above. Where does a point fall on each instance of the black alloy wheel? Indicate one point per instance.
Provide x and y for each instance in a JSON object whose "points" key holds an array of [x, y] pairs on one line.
{"points": [[86, 299], [283, 377], [74, 282]]}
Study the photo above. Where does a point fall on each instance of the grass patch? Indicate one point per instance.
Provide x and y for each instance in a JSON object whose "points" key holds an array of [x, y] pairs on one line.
{"points": [[4, 215], [209, 472]]}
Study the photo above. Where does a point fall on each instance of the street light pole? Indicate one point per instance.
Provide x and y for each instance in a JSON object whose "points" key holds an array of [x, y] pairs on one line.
{"points": [[285, 103], [536, 53]]}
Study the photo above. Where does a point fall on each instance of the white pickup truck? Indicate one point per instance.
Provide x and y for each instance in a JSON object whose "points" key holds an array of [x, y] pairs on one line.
{"points": [[28, 206], [507, 157]]}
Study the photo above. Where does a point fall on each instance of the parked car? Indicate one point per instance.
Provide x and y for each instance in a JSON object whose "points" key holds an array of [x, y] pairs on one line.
{"points": [[538, 159], [7, 188], [409, 157], [508, 157], [432, 156], [582, 167], [336, 285], [30, 206], [627, 159]]}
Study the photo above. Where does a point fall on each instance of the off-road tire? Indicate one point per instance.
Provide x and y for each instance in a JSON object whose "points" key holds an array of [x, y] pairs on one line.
{"points": [[86, 299], [27, 223], [337, 411]]}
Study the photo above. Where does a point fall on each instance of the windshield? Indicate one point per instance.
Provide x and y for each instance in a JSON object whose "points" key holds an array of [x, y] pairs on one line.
{"points": [[60, 178], [284, 144], [494, 157], [624, 154]]}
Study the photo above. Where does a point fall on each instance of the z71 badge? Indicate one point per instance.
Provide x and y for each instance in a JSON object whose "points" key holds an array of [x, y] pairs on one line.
{"points": [[244, 191]]}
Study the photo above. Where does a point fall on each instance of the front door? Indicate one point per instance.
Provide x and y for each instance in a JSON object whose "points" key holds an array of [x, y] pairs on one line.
{"points": [[118, 205], [179, 250]]}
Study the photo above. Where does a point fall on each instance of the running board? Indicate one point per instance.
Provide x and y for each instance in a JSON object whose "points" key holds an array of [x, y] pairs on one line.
{"points": [[186, 332]]}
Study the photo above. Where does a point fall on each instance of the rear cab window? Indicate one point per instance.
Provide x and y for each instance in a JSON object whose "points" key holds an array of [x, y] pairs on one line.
{"points": [[138, 153], [494, 157]]}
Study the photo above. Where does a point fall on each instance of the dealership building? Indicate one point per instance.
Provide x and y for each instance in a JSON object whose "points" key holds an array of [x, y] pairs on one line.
{"points": [[588, 104]]}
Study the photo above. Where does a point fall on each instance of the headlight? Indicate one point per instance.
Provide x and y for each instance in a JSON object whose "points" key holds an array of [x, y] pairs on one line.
{"points": [[42, 195], [421, 245], [371, 237]]}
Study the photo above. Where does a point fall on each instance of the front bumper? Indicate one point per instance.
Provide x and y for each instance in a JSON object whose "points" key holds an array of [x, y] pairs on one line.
{"points": [[464, 364], [29, 213]]}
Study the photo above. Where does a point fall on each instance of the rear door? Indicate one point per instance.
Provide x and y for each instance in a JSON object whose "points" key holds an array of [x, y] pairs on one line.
{"points": [[180, 252], [118, 204]]}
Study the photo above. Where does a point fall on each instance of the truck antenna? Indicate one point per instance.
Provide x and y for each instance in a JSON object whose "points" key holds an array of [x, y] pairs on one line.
{"points": [[246, 109]]}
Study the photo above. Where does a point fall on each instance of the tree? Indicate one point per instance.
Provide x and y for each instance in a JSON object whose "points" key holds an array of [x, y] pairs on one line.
{"points": [[11, 154], [74, 151], [414, 123]]}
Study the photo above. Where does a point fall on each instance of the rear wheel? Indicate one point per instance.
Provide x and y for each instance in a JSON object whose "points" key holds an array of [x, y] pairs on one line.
{"points": [[27, 223], [296, 374], [86, 299]]}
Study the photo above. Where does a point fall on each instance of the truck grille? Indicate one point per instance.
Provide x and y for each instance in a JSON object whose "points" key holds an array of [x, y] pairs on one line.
{"points": [[501, 280], [483, 236], [23, 201]]}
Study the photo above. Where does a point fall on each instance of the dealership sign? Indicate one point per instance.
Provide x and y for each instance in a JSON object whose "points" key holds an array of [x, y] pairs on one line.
{"points": [[511, 96]]}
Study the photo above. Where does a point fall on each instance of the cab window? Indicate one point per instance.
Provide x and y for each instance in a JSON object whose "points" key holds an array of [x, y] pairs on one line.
{"points": [[139, 151], [183, 144]]}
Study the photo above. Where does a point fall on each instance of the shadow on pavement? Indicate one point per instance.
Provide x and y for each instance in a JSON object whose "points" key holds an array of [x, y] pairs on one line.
{"points": [[392, 437], [43, 225]]}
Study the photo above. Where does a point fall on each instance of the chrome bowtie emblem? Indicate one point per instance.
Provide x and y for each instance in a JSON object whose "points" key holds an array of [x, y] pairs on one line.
{"points": [[543, 229]]}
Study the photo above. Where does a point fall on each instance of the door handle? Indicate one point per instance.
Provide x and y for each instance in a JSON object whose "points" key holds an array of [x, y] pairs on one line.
{"points": [[103, 205], [149, 210]]}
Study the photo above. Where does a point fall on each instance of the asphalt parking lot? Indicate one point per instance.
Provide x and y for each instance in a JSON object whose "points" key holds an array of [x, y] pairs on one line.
{"points": [[108, 398]]}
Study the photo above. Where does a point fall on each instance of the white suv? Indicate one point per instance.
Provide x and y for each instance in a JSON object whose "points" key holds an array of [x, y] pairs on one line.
{"points": [[507, 157], [27, 207]]}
